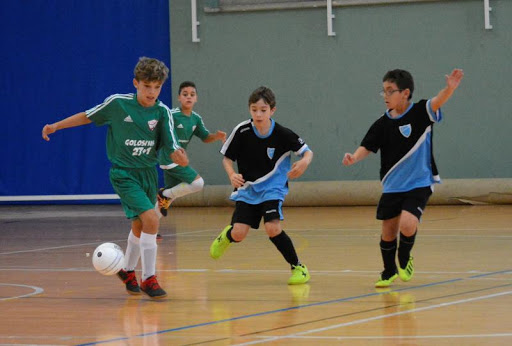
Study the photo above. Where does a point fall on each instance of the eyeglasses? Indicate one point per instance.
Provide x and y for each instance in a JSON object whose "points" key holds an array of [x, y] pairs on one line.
{"points": [[388, 93]]}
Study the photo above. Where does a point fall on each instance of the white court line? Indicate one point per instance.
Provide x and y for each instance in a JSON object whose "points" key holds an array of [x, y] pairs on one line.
{"points": [[487, 236], [247, 271], [461, 336], [374, 235], [251, 271], [194, 234], [37, 290], [422, 229], [190, 233], [377, 233], [20, 269], [344, 271], [365, 320], [84, 244], [49, 248]]}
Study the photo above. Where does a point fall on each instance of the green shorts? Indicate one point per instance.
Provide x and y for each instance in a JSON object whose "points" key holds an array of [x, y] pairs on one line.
{"points": [[177, 175], [137, 189]]}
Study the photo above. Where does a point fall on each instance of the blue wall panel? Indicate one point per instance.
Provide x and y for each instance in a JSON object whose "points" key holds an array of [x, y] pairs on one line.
{"points": [[60, 58]]}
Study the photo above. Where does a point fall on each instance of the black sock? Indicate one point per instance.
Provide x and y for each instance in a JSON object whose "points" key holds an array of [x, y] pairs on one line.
{"points": [[285, 246], [404, 251], [388, 251], [230, 238]]}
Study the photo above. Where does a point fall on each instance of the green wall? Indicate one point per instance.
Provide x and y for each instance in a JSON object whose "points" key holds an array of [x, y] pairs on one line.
{"points": [[328, 87]]}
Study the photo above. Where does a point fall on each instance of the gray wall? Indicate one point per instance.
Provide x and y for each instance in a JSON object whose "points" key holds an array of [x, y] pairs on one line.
{"points": [[328, 87]]}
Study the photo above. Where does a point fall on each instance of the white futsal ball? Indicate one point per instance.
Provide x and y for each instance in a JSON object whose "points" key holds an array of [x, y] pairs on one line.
{"points": [[108, 258]]}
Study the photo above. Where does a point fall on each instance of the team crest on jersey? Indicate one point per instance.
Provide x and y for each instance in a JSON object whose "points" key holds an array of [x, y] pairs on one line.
{"points": [[406, 130], [152, 124], [270, 152]]}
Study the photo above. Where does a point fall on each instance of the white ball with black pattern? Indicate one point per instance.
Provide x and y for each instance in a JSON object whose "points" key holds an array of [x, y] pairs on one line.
{"points": [[108, 258]]}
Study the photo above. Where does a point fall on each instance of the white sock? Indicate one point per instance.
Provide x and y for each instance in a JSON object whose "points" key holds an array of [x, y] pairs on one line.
{"points": [[157, 209], [184, 189], [148, 254], [132, 255]]}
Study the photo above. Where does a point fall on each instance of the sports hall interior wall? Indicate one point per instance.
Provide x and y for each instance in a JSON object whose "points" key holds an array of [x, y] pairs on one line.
{"points": [[328, 87]]}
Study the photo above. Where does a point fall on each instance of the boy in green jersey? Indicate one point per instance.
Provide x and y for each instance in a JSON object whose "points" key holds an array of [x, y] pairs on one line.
{"points": [[138, 125], [181, 181]]}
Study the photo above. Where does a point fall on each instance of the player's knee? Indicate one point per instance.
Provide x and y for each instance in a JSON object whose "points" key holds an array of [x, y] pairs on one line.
{"points": [[239, 232], [408, 222], [272, 229], [198, 184], [150, 221]]}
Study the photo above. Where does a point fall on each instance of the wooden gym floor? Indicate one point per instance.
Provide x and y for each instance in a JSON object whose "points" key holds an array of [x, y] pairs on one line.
{"points": [[461, 293]]}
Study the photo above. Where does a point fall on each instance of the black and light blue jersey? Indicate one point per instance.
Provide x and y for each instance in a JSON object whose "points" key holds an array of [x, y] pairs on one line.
{"points": [[263, 161], [405, 144]]}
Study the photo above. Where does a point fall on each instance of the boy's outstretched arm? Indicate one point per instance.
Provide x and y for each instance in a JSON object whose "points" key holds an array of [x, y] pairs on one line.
{"points": [[71, 121], [237, 180], [452, 82], [299, 167], [360, 154], [217, 136]]}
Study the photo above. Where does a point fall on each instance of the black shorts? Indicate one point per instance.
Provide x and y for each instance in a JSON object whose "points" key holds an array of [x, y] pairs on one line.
{"points": [[414, 201], [251, 214]]}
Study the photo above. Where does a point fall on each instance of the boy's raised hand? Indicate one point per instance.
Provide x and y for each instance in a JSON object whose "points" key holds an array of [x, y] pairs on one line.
{"points": [[453, 79]]}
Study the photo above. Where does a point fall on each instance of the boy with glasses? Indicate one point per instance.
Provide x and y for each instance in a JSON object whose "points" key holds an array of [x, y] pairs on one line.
{"points": [[408, 170]]}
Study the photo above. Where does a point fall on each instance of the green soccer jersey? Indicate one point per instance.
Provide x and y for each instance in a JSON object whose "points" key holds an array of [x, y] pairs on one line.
{"points": [[185, 127], [135, 133]]}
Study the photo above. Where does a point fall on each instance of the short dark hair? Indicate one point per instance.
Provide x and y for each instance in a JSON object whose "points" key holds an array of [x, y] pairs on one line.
{"points": [[151, 70], [186, 84], [401, 78], [265, 94]]}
